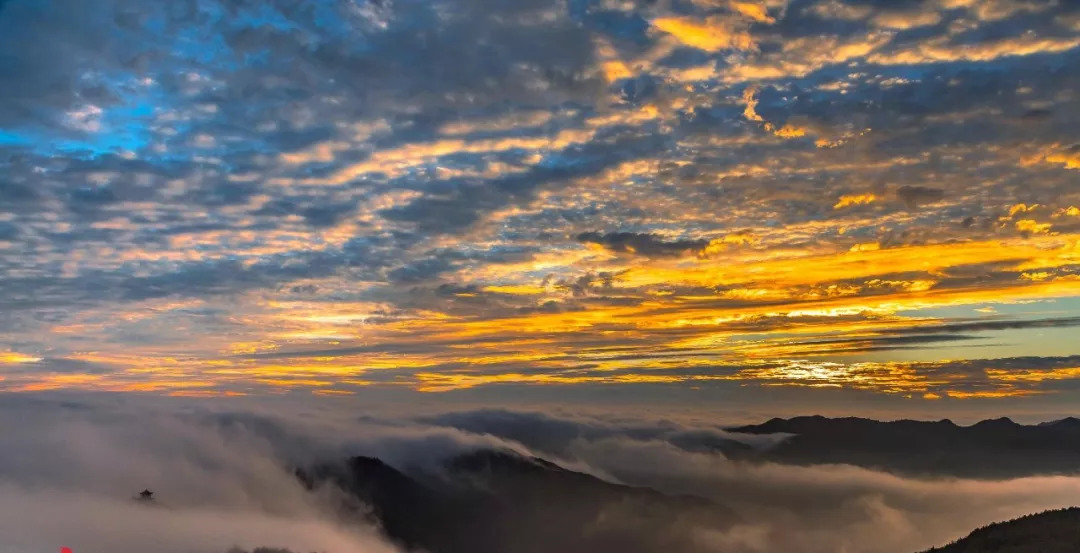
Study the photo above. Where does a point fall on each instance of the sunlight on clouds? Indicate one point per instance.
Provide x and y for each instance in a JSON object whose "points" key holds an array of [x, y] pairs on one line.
{"points": [[11, 358], [996, 10], [615, 70], [749, 97], [753, 10], [940, 51], [1069, 157], [810, 268], [802, 56], [1034, 375], [859, 199], [904, 21], [607, 194], [712, 34], [516, 289], [1032, 226]]}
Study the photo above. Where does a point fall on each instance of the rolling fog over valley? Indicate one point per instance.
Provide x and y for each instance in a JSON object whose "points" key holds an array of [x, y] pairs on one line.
{"points": [[480, 480]]}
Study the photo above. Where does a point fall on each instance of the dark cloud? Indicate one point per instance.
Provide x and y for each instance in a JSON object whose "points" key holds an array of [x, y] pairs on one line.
{"points": [[63, 365], [977, 326], [919, 336], [585, 284], [641, 243], [464, 203], [915, 196]]}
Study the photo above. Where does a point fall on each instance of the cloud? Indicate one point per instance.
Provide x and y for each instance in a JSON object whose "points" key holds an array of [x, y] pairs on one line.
{"points": [[641, 243], [75, 466], [448, 195], [222, 476], [864, 510], [814, 509], [1067, 157], [906, 20], [47, 519], [941, 51], [991, 325], [556, 436], [712, 34], [914, 196], [857, 199]]}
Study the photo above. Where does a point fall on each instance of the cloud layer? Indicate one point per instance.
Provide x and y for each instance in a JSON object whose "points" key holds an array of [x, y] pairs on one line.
{"points": [[72, 469], [228, 197], [223, 479], [824, 508]]}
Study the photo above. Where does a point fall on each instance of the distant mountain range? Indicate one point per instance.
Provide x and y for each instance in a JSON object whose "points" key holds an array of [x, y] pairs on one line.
{"points": [[499, 501], [491, 501], [1049, 532], [997, 448]]}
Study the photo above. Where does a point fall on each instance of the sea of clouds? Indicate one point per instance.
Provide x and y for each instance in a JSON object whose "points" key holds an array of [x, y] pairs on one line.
{"points": [[223, 477]]}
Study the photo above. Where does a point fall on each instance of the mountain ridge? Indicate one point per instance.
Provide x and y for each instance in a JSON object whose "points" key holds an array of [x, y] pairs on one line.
{"points": [[991, 448], [1054, 531], [777, 422], [496, 501]]}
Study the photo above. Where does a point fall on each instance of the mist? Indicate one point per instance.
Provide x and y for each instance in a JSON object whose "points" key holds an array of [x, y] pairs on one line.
{"points": [[810, 509], [223, 478], [70, 471], [827, 508]]}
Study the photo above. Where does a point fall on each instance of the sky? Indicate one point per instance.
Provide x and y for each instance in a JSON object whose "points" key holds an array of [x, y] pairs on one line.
{"points": [[783, 205]]}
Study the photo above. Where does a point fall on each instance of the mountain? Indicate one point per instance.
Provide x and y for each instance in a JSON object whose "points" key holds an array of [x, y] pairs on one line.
{"points": [[490, 501], [997, 448], [1049, 532]]}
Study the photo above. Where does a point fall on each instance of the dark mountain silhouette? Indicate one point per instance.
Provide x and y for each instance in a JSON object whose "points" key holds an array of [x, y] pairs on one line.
{"points": [[500, 502], [1048, 532], [994, 448]]}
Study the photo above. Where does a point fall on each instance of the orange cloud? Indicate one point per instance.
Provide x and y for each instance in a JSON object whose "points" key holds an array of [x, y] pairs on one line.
{"points": [[753, 10], [857, 199], [11, 358], [712, 35]]}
